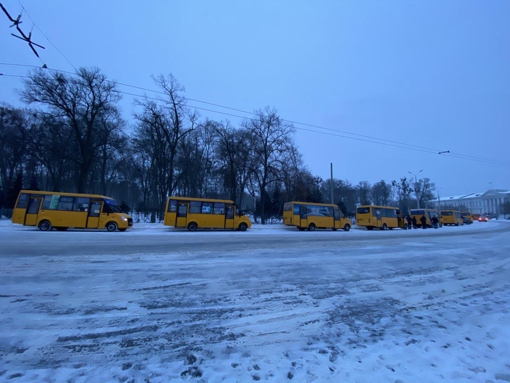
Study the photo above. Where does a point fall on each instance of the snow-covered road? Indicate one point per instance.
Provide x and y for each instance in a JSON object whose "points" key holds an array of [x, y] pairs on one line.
{"points": [[271, 304]]}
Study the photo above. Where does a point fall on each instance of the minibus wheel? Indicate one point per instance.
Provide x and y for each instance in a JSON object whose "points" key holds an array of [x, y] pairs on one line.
{"points": [[44, 225], [347, 227], [192, 226], [311, 227], [243, 226], [111, 226], [384, 226]]}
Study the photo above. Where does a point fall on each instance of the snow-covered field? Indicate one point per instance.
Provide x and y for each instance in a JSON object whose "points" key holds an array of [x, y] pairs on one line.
{"points": [[271, 304]]}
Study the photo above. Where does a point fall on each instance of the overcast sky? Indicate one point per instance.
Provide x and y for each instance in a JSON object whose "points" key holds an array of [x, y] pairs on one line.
{"points": [[430, 75]]}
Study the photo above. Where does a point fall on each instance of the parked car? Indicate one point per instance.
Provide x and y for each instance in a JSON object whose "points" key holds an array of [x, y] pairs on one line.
{"points": [[466, 221]]}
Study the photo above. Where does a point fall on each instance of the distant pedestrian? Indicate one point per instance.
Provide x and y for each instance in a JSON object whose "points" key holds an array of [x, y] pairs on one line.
{"points": [[409, 222], [423, 221], [415, 224], [435, 222]]}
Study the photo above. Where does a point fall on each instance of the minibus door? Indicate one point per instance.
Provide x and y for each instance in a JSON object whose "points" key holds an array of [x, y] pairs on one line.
{"points": [[182, 214], [303, 221], [229, 217], [336, 217], [95, 209], [34, 203], [378, 218]]}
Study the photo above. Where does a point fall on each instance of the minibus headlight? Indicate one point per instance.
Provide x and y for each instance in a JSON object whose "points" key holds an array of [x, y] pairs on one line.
{"points": [[124, 218]]}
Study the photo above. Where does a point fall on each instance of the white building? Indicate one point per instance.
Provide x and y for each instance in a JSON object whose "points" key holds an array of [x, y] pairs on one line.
{"points": [[489, 202]]}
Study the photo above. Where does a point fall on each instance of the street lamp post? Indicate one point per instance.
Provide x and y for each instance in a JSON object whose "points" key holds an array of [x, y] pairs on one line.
{"points": [[415, 183]]}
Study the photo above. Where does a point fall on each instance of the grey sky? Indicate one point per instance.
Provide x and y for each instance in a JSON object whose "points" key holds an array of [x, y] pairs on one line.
{"points": [[434, 74]]}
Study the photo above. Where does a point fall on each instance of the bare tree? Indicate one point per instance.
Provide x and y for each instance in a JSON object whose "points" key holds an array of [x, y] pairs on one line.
{"points": [[14, 140], [195, 164], [426, 188], [161, 127], [270, 139], [232, 158], [299, 184], [113, 145], [364, 190], [381, 193], [152, 154], [345, 196], [81, 101], [144, 163], [51, 145], [403, 190]]}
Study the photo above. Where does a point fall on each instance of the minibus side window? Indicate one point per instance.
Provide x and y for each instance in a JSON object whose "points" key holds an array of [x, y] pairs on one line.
{"points": [[23, 201]]}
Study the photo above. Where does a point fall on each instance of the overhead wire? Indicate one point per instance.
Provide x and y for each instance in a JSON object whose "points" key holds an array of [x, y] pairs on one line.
{"points": [[12, 75], [323, 130]]}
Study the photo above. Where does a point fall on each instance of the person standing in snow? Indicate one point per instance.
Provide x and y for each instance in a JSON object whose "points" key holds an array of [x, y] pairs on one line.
{"points": [[423, 221], [409, 222], [415, 225]]}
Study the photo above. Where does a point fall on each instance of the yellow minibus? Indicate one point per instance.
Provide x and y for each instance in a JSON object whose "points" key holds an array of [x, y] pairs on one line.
{"points": [[308, 215], [428, 213], [203, 213], [60, 211], [451, 217], [467, 216], [381, 217]]}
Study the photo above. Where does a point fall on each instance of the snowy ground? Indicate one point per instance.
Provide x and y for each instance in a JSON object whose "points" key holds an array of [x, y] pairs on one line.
{"points": [[272, 304]]}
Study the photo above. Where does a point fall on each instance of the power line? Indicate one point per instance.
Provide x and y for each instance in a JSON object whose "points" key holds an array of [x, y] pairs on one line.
{"points": [[20, 65], [12, 75], [324, 130]]}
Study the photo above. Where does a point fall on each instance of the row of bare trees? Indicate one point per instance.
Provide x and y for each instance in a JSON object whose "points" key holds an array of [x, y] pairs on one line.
{"points": [[76, 140]]}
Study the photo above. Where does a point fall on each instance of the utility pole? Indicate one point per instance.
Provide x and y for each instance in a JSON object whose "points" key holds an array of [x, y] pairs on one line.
{"points": [[416, 183]]}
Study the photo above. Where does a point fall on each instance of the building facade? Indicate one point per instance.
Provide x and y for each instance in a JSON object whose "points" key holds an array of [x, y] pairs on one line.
{"points": [[489, 202]]}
